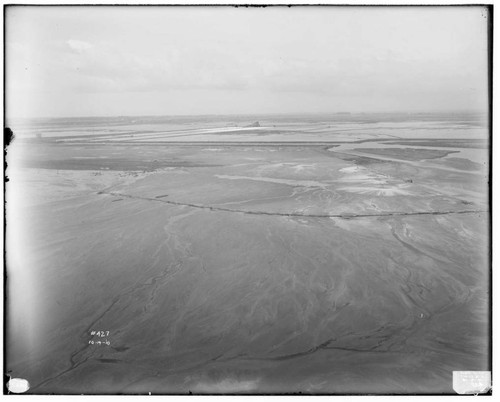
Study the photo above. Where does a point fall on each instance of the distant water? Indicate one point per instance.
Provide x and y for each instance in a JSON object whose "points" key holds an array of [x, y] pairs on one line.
{"points": [[53, 127]]}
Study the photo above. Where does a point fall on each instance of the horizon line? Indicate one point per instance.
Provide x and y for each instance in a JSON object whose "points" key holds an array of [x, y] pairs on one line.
{"points": [[250, 114]]}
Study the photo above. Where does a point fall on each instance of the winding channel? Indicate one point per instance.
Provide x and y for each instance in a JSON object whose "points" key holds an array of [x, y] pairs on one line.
{"points": [[345, 216]]}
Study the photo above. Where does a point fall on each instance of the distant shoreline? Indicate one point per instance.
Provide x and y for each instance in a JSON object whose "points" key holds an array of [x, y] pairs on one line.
{"points": [[251, 116]]}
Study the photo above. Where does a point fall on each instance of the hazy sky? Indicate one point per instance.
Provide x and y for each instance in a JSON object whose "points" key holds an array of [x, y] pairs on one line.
{"points": [[85, 61]]}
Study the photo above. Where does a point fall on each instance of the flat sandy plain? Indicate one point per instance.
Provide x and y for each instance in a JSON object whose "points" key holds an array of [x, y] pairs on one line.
{"points": [[340, 255]]}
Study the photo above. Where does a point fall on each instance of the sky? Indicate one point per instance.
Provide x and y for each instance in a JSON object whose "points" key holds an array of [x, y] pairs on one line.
{"points": [[111, 61]]}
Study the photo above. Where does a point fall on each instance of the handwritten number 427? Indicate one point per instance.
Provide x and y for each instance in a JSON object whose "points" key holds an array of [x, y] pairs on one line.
{"points": [[101, 334]]}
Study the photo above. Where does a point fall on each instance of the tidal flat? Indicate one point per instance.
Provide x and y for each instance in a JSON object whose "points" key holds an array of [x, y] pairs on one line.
{"points": [[308, 264]]}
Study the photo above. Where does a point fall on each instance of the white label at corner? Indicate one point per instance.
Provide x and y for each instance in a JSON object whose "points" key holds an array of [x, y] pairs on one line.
{"points": [[18, 385], [471, 382]]}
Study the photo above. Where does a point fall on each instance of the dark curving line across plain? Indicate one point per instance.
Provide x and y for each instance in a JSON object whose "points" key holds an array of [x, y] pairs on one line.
{"points": [[293, 214]]}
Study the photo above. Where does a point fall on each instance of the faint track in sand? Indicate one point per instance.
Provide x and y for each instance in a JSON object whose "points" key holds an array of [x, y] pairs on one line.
{"points": [[344, 216], [86, 352]]}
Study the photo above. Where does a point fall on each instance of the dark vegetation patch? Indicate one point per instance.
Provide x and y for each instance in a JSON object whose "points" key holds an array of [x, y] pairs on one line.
{"points": [[412, 154], [118, 164], [463, 164], [468, 143], [358, 160]]}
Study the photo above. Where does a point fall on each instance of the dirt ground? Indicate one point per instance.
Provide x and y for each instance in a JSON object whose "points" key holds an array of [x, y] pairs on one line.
{"points": [[244, 269]]}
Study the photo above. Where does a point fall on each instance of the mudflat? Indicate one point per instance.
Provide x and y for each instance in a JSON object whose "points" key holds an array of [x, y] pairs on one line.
{"points": [[256, 268]]}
